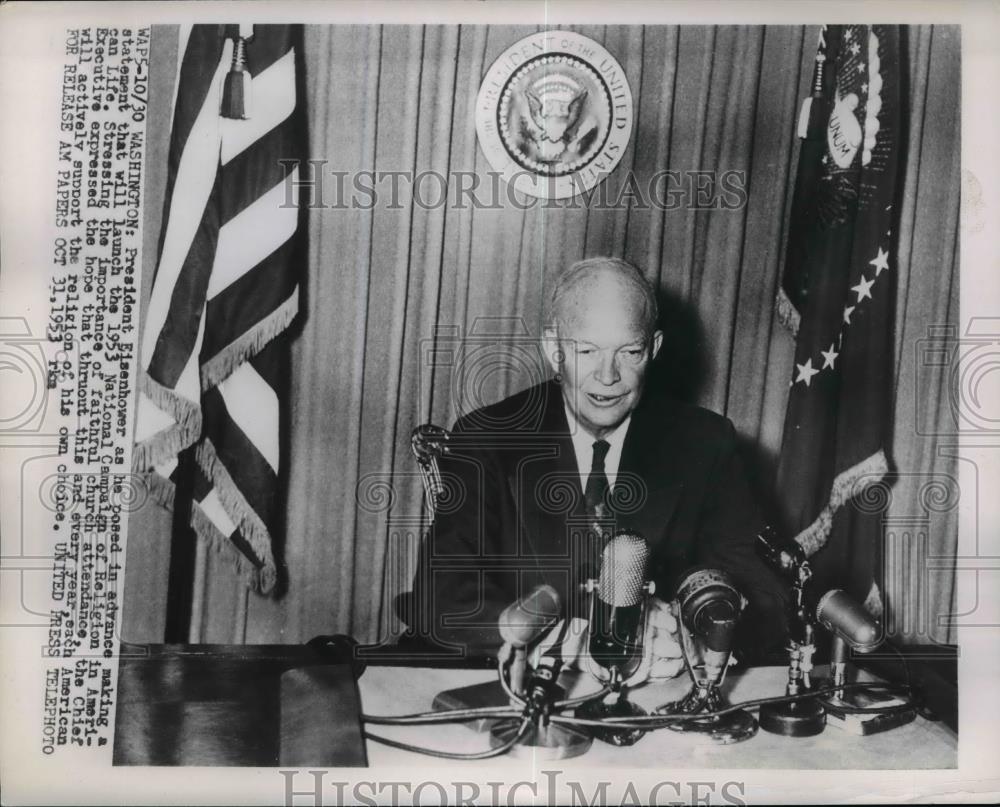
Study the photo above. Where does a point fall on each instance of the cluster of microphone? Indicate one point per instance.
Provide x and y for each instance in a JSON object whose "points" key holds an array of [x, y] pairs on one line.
{"points": [[537, 719], [709, 607]]}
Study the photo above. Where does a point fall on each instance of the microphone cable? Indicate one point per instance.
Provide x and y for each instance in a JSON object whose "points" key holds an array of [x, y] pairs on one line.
{"points": [[647, 722], [654, 721], [503, 748]]}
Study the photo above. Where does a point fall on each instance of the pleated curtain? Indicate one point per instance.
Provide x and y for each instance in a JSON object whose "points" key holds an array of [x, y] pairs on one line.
{"points": [[418, 312]]}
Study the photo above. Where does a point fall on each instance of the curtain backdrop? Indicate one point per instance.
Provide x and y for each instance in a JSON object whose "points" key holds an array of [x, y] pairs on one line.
{"points": [[417, 313]]}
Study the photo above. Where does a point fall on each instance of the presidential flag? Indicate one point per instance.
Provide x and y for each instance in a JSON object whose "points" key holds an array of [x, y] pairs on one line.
{"points": [[838, 296], [225, 289]]}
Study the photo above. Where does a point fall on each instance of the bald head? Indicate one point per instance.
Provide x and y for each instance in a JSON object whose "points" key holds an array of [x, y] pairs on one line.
{"points": [[601, 281]]}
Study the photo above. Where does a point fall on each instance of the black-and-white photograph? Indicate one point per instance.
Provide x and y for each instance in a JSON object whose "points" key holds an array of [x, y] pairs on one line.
{"points": [[546, 392], [498, 402]]}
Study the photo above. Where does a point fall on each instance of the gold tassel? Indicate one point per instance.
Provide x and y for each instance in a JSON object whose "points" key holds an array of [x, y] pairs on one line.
{"points": [[236, 91]]}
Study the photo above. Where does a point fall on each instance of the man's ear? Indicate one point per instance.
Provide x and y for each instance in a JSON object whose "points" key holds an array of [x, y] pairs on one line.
{"points": [[550, 346], [657, 343]]}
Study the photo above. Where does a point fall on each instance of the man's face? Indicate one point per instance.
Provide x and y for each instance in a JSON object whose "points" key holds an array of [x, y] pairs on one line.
{"points": [[602, 353]]}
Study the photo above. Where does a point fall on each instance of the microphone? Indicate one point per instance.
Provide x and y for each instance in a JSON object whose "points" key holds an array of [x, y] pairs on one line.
{"points": [[527, 618], [784, 557], [847, 620], [709, 605], [852, 626], [617, 623], [521, 623], [617, 620]]}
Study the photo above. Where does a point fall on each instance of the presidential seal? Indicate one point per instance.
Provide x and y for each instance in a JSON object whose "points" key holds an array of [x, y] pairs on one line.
{"points": [[554, 114]]}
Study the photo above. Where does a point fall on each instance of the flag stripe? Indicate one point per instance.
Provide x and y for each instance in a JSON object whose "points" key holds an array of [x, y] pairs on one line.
{"points": [[248, 301], [189, 235], [246, 466], [253, 406], [246, 240], [257, 169]]}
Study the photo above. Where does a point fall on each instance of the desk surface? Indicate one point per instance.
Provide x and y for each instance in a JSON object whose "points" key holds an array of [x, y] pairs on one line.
{"points": [[221, 705], [918, 745]]}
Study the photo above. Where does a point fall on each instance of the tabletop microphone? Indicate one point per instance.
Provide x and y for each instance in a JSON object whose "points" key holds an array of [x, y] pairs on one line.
{"points": [[710, 607], [527, 618], [848, 620], [521, 623], [617, 620], [617, 611]]}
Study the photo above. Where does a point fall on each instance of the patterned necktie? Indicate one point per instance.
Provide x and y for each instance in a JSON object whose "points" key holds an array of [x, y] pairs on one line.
{"points": [[595, 494]]}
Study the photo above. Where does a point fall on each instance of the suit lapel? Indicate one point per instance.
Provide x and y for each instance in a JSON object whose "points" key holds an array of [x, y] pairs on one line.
{"points": [[650, 467], [545, 481]]}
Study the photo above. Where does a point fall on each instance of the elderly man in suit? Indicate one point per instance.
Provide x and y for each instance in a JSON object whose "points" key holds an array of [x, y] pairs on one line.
{"points": [[542, 472]]}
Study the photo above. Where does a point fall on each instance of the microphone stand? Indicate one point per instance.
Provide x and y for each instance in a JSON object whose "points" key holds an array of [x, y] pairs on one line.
{"points": [[842, 708], [707, 669], [803, 718], [543, 740], [706, 624]]}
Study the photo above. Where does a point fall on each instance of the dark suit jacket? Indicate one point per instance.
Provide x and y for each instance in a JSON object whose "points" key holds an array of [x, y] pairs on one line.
{"points": [[513, 516]]}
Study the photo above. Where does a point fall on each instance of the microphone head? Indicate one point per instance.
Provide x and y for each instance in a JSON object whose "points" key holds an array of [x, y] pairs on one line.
{"points": [[710, 606], [845, 617], [523, 621], [623, 570]]}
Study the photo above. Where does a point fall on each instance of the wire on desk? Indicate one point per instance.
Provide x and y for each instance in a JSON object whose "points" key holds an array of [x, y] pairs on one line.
{"points": [[487, 754], [654, 721], [444, 716]]}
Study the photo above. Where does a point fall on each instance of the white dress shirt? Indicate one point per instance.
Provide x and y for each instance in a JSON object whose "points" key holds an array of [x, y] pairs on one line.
{"points": [[583, 446]]}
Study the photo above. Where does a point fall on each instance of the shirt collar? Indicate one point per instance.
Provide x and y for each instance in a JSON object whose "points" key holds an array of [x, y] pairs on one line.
{"points": [[583, 445]]}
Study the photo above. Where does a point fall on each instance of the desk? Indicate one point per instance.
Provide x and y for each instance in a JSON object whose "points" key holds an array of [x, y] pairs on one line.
{"points": [[919, 745], [221, 705]]}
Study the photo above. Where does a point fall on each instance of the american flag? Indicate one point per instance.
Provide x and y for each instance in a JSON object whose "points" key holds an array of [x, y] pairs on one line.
{"points": [[838, 295], [226, 287]]}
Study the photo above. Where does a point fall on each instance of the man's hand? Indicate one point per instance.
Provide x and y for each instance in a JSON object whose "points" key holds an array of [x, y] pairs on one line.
{"points": [[662, 655]]}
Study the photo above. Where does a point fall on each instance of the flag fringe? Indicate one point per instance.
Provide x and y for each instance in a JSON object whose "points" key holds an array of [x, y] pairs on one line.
{"points": [[168, 442], [788, 315], [163, 492], [814, 537], [255, 578], [224, 363], [239, 510]]}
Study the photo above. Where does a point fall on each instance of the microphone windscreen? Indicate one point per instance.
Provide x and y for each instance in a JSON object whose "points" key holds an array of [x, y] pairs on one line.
{"points": [[841, 614], [523, 621], [623, 570], [710, 606]]}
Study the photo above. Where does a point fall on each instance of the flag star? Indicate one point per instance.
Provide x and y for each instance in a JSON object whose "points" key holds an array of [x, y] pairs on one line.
{"points": [[861, 67], [880, 262], [855, 48], [847, 314], [806, 372], [864, 87], [849, 34], [864, 288], [829, 357]]}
